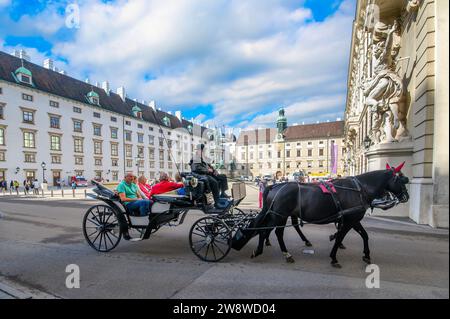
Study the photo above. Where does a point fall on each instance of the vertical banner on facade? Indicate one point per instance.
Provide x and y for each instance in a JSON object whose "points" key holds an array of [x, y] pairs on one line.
{"points": [[334, 158]]}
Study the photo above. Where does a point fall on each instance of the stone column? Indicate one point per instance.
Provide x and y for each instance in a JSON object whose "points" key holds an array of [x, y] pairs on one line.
{"points": [[439, 213]]}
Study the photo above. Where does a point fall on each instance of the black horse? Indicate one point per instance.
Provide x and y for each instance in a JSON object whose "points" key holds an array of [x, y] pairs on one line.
{"points": [[307, 202]]}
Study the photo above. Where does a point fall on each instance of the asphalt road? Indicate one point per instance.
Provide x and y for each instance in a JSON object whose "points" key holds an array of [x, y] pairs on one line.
{"points": [[39, 238]]}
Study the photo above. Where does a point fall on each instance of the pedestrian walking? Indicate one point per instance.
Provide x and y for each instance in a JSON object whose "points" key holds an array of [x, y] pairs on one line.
{"points": [[262, 187], [36, 187]]}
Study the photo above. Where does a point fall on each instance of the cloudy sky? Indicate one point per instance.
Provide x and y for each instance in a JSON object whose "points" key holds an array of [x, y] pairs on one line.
{"points": [[229, 62]]}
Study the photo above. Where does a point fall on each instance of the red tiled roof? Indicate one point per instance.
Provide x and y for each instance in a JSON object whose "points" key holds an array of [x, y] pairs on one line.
{"points": [[258, 136], [310, 131]]}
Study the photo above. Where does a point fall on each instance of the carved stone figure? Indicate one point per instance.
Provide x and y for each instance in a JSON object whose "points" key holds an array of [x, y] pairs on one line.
{"points": [[384, 90]]}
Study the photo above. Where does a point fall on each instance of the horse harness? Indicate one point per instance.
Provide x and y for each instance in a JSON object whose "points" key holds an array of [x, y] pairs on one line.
{"points": [[340, 212]]}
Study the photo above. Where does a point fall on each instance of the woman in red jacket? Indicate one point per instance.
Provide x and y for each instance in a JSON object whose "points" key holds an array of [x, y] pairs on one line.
{"points": [[164, 185]]}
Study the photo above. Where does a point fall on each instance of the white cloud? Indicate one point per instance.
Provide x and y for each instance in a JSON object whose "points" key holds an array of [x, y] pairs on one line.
{"points": [[243, 57], [4, 3]]}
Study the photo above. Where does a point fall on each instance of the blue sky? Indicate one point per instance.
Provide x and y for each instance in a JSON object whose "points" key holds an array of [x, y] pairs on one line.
{"points": [[224, 62]]}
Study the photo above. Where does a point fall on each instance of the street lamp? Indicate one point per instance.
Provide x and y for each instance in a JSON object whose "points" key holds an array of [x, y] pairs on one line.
{"points": [[43, 165], [367, 143], [17, 169]]}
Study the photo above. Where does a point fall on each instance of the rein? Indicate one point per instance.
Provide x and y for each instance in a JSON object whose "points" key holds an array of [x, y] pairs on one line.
{"points": [[341, 212]]}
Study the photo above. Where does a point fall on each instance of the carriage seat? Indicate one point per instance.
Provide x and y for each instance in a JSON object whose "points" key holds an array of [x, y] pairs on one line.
{"points": [[169, 198]]}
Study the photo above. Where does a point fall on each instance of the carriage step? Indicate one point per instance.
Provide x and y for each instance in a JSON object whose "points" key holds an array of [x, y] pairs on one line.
{"points": [[135, 239]]}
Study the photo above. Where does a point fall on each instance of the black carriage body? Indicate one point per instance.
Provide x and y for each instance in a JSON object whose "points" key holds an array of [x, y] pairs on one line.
{"points": [[113, 218]]}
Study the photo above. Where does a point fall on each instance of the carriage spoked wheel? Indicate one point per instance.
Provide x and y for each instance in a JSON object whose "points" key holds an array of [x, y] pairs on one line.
{"points": [[101, 228], [210, 239]]}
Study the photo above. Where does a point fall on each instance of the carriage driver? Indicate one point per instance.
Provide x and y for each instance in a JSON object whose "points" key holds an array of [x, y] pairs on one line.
{"points": [[217, 182], [130, 197]]}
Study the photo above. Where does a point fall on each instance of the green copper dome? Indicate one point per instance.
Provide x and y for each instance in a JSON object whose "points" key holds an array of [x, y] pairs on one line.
{"points": [[92, 94], [136, 109], [281, 121], [23, 70]]}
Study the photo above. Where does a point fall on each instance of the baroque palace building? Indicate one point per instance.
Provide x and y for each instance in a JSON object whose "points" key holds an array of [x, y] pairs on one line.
{"points": [[397, 103], [55, 126], [313, 149]]}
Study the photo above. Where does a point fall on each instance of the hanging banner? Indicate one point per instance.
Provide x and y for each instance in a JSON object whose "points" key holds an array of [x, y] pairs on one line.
{"points": [[334, 158]]}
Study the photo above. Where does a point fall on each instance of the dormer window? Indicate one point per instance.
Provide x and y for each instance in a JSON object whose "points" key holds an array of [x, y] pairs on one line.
{"points": [[137, 111], [166, 121], [190, 128], [93, 98], [23, 75]]}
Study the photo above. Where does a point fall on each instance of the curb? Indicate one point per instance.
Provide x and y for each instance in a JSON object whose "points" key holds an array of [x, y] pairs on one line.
{"points": [[13, 291]]}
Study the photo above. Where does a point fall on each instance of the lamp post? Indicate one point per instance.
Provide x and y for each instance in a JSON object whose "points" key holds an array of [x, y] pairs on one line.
{"points": [[17, 170], [43, 165]]}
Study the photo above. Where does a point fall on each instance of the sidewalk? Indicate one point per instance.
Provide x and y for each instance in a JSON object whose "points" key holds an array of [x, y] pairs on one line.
{"points": [[12, 290], [53, 193]]}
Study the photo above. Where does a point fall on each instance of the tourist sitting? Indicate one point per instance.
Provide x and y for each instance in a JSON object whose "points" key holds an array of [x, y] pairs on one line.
{"points": [[144, 187], [165, 185], [129, 195]]}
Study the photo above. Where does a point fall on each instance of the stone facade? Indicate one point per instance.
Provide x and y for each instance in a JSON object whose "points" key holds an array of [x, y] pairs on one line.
{"points": [[397, 101], [103, 136], [290, 149]]}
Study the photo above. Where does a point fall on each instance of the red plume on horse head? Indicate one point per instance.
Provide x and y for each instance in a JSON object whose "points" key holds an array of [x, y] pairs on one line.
{"points": [[395, 169]]}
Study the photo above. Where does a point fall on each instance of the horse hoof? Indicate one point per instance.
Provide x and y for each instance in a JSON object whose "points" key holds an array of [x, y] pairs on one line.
{"points": [[268, 243], [308, 244], [335, 264], [367, 260], [332, 237], [341, 246], [290, 260], [253, 255]]}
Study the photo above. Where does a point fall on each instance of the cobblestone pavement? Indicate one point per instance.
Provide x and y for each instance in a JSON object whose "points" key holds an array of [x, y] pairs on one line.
{"points": [[38, 239]]}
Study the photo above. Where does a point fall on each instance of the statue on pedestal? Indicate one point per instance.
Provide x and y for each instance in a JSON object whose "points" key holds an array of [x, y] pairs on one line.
{"points": [[384, 91]]}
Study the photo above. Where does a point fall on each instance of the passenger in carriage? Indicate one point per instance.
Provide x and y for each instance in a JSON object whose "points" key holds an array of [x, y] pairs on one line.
{"points": [[217, 182], [165, 185], [144, 187], [129, 195]]}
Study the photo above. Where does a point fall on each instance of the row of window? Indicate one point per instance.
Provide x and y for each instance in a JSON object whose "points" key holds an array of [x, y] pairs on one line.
{"points": [[289, 154], [308, 164], [94, 100], [288, 145]]}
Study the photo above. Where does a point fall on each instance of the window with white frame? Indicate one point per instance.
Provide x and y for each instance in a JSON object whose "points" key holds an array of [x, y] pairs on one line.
{"points": [[29, 139], [114, 149], [78, 126], [55, 142], [78, 145], [98, 147], [114, 132], [2, 136]]}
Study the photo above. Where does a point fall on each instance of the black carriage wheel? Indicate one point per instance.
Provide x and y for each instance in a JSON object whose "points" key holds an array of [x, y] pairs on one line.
{"points": [[101, 228], [210, 239], [238, 212]]}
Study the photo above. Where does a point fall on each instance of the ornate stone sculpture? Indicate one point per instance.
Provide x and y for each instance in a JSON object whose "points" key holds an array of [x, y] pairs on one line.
{"points": [[413, 6], [384, 90]]}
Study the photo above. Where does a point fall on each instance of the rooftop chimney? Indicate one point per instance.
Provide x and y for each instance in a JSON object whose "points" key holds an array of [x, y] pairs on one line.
{"points": [[63, 72], [55, 69], [152, 105], [48, 64], [97, 84], [169, 112], [178, 115], [121, 92], [105, 87], [87, 81], [22, 54], [338, 119]]}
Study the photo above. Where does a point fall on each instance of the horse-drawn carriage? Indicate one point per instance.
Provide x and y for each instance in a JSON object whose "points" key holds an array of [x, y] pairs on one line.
{"points": [[210, 237]]}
